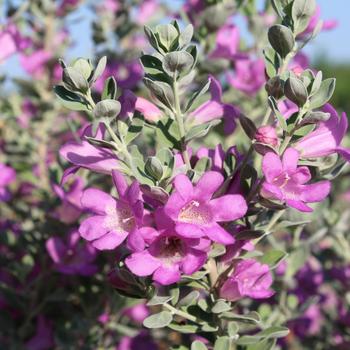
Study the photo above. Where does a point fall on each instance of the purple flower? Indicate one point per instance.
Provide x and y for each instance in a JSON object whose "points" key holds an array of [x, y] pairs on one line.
{"points": [[249, 76], [327, 24], [248, 279], [71, 208], [227, 42], [70, 257], [326, 138], [216, 109], [196, 214], [7, 176], [83, 154], [113, 219], [142, 341], [43, 338], [286, 182], [166, 256]]}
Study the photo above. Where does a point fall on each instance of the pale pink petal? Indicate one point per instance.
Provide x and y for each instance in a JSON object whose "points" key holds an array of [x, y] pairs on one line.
{"points": [[119, 182], [183, 186], [217, 234], [269, 191], [56, 249], [188, 230], [207, 185], [302, 175], [193, 261], [316, 192], [290, 159], [298, 205]]}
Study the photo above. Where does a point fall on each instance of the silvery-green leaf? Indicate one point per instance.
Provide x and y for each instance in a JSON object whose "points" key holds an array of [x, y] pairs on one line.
{"points": [[200, 130], [160, 320], [151, 64], [281, 39], [295, 90], [198, 345], [222, 343], [186, 36], [189, 299], [73, 80], [161, 91], [110, 89], [324, 93], [70, 99], [315, 117], [281, 119], [83, 66], [179, 62], [159, 300], [184, 328], [302, 11], [166, 34], [100, 143], [249, 234], [151, 37], [232, 329], [192, 49], [107, 109], [273, 257], [316, 83], [100, 67], [272, 62], [221, 306], [202, 90], [135, 128]]}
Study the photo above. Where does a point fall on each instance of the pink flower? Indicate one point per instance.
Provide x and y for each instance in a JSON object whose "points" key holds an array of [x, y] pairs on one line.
{"points": [[34, 63], [249, 76], [166, 255], [286, 182], [70, 257], [249, 279], [7, 176], [11, 41], [326, 138], [114, 219], [197, 214], [216, 109], [137, 313], [267, 134], [147, 9], [83, 154], [227, 42]]}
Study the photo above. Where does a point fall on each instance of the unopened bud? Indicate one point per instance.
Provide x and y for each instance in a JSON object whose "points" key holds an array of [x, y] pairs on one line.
{"points": [[274, 87], [267, 135], [154, 168]]}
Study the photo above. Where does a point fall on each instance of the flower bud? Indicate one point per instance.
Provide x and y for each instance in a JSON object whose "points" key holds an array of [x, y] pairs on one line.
{"points": [[127, 284], [295, 90], [154, 168], [107, 109], [267, 135], [281, 39], [274, 87]]}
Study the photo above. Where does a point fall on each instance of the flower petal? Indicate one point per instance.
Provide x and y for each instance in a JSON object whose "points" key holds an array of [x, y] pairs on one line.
{"points": [[166, 275], [271, 166], [56, 249], [207, 185], [290, 159], [316, 192], [217, 234], [96, 200], [93, 228], [301, 175], [228, 208], [298, 205], [188, 230], [183, 186], [119, 182], [142, 263], [269, 191], [110, 241], [193, 261]]}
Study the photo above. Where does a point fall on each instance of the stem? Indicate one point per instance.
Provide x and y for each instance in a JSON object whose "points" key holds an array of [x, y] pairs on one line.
{"points": [[180, 121], [183, 314]]}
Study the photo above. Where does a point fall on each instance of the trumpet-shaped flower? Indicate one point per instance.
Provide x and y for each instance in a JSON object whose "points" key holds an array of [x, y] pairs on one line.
{"points": [[249, 279], [286, 182], [197, 214], [114, 219], [70, 257], [7, 176], [216, 109], [83, 154], [249, 76], [167, 256], [326, 138]]}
